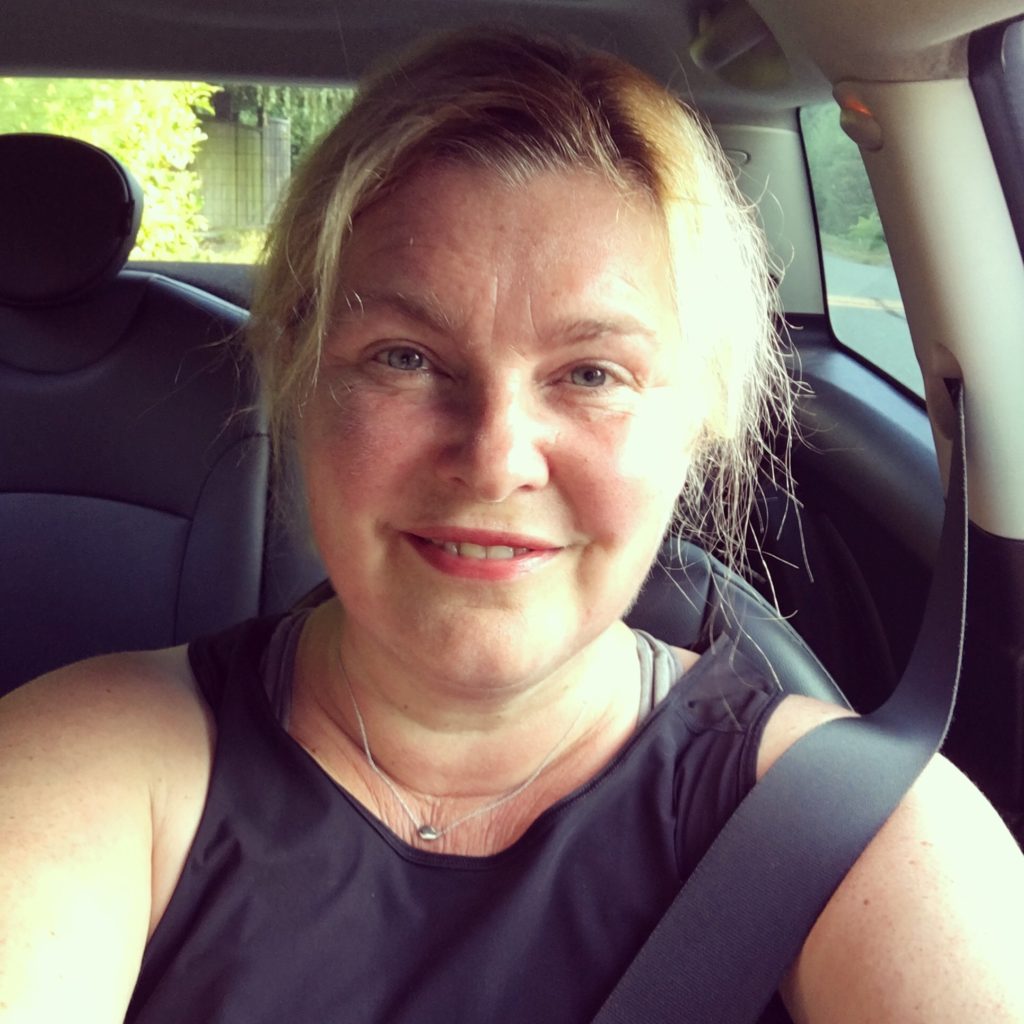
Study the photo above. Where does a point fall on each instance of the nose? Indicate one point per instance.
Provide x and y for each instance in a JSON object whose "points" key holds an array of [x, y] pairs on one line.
{"points": [[501, 442]]}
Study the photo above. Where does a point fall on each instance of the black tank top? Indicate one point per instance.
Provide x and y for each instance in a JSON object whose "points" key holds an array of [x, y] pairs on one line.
{"points": [[297, 906]]}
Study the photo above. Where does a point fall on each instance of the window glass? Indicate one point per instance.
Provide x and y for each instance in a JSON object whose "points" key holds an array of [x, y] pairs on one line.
{"points": [[212, 158], [864, 303]]}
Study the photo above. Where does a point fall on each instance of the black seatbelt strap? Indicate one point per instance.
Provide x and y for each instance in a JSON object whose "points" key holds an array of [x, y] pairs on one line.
{"points": [[720, 951]]}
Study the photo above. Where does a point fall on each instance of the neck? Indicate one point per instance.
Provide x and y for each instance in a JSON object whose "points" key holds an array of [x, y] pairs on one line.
{"points": [[449, 737]]}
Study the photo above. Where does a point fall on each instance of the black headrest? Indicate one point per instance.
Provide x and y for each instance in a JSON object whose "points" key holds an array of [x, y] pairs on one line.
{"points": [[69, 214]]}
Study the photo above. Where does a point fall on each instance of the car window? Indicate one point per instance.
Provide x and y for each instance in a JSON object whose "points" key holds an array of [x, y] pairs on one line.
{"points": [[863, 296], [212, 158]]}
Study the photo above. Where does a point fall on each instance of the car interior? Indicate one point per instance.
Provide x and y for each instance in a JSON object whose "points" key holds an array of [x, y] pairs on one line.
{"points": [[138, 452], [137, 504]]}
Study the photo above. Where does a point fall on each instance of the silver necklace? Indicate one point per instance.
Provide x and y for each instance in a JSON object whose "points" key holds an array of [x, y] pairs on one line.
{"points": [[424, 829]]}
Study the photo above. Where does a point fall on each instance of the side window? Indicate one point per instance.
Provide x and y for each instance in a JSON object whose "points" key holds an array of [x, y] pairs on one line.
{"points": [[864, 302], [212, 158]]}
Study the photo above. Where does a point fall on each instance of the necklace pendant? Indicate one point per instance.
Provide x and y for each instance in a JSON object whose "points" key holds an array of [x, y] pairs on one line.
{"points": [[428, 832]]}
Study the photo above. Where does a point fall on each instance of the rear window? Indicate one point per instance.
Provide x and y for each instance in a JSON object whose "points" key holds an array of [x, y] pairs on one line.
{"points": [[212, 158]]}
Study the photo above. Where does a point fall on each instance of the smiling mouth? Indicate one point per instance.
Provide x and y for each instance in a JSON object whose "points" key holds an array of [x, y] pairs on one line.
{"points": [[479, 551]]}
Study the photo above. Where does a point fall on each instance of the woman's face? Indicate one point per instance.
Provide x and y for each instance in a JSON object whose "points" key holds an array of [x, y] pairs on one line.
{"points": [[503, 420]]}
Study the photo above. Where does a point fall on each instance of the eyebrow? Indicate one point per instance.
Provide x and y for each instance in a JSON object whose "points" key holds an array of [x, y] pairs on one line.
{"points": [[590, 328], [426, 310]]}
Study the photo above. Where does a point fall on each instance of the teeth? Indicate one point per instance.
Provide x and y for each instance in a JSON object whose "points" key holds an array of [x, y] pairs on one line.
{"points": [[478, 550]]}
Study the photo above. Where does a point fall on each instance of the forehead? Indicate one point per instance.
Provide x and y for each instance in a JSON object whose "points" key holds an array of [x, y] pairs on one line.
{"points": [[458, 231]]}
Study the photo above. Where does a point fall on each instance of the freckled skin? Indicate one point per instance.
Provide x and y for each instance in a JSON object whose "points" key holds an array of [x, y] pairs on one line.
{"points": [[454, 391]]}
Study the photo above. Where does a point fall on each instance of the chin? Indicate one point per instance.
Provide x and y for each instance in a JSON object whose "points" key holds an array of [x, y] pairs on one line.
{"points": [[506, 652]]}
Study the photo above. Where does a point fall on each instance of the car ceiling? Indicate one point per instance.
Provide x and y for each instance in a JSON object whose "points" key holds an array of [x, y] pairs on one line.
{"points": [[332, 40]]}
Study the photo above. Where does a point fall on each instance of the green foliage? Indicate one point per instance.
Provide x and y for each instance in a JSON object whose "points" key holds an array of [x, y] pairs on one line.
{"points": [[868, 233], [153, 128], [311, 111], [842, 193]]}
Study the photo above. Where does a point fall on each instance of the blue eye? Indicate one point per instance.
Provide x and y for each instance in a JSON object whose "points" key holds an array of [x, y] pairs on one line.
{"points": [[588, 376], [403, 358]]}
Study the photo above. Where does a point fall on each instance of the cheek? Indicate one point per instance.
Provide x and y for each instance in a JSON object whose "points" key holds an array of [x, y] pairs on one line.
{"points": [[357, 447], [633, 470]]}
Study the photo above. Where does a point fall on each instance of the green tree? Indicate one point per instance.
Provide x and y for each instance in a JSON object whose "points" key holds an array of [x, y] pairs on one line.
{"points": [[153, 128], [842, 192]]}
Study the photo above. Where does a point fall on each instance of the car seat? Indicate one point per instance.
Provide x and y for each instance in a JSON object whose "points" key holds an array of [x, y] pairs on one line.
{"points": [[134, 497]]}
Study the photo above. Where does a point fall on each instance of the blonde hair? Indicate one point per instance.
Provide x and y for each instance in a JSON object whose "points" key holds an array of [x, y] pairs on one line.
{"points": [[520, 105]]}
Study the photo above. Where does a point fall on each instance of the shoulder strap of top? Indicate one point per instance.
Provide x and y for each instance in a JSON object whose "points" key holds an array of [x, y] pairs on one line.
{"points": [[236, 651], [659, 671], [721, 683]]}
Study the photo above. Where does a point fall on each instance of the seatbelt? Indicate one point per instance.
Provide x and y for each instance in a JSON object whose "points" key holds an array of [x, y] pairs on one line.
{"points": [[719, 953]]}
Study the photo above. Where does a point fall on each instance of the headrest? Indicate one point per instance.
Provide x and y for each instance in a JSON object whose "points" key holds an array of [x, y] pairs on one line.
{"points": [[69, 214]]}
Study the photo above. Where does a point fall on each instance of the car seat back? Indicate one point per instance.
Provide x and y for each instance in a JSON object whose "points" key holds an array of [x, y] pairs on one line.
{"points": [[133, 453]]}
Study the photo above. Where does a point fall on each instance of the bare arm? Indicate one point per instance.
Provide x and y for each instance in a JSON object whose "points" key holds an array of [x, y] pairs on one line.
{"points": [[929, 924], [87, 759]]}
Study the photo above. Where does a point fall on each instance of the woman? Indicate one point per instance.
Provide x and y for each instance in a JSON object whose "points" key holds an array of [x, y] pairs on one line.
{"points": [[514, 320]]}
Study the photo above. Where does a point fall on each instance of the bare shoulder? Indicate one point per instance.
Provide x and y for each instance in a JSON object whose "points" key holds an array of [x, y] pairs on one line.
{"points": [[97, 762], [929, 923], [109, 691], [135, 718]]}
